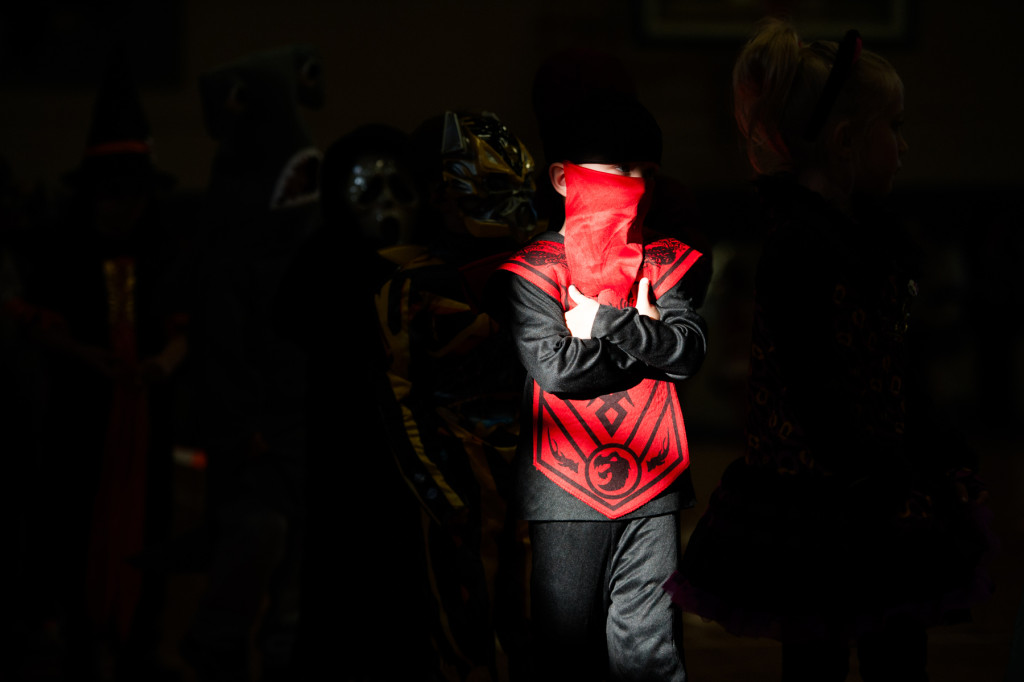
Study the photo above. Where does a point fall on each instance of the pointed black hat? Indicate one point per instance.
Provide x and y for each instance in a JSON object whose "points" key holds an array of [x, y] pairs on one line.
{"points": [[119, 145]]}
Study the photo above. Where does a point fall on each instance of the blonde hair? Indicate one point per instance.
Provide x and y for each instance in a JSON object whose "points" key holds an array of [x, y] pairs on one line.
{"points": [[777, 83]]}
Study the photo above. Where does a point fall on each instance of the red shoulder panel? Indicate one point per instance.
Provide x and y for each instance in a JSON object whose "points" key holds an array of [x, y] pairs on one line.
{"points": [[543, 264], [666, 260]]}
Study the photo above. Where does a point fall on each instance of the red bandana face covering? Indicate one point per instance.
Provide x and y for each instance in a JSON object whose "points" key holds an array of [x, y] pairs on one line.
{"points": [[604, 216]]}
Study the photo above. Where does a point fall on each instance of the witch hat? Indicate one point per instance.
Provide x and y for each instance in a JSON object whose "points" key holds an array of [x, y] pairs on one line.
{"points": [[119, 147]]}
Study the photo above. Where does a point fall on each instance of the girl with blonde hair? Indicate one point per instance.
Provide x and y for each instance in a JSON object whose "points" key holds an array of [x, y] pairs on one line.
{"points": [[855, 516]]}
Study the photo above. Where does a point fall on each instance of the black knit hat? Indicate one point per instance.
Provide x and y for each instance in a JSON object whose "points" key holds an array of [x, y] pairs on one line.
{"points": [[119, 145], [606, 127]]}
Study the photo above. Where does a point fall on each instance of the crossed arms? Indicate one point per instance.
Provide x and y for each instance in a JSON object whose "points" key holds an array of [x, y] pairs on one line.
{"points": [[595, 349]]}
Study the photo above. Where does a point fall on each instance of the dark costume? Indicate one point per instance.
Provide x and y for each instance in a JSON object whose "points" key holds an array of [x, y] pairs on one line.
{"points": [[251, 378], [602, 433], [452, 396], [368, 200], [101, 302], [845, 516]]}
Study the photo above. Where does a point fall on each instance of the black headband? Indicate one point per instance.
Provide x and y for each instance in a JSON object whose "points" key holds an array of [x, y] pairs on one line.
{"points": [[846, 56]]}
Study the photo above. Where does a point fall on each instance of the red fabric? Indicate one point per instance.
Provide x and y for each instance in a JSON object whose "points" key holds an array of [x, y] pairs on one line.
{"points": [[614, 452], [603, 232], [119, 514], [542, 263], [35, 317], [118, 517]]}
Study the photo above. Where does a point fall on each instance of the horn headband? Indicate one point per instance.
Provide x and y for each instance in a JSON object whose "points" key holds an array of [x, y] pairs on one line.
{"points": [[846, 56]]}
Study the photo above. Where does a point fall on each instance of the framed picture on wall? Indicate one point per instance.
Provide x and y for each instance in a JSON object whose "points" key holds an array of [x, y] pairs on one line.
{"points": [[702, 21]]}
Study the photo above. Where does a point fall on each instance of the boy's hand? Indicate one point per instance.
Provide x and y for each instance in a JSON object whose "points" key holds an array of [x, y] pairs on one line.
{"points": [[644, 306], [580, 320]]}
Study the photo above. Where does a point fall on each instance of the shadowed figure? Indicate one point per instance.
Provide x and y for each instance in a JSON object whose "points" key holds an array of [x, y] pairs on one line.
{"points": [[450, 402], [363, 555], [261, 207], [101, 302], [856, 515]]}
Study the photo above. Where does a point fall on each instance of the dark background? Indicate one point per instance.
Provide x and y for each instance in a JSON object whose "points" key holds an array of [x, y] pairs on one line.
{"points": [[400, 61]]}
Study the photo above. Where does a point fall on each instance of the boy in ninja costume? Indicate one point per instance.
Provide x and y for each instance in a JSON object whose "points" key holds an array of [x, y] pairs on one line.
{"points": [[604, 324]]}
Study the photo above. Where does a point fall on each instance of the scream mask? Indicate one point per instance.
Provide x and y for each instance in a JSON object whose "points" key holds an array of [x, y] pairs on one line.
{"points": [[488, 176], [384, 199]]}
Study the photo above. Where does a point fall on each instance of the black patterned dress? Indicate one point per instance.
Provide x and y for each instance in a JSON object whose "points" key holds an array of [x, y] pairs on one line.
{"points": [[847, 506]]}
